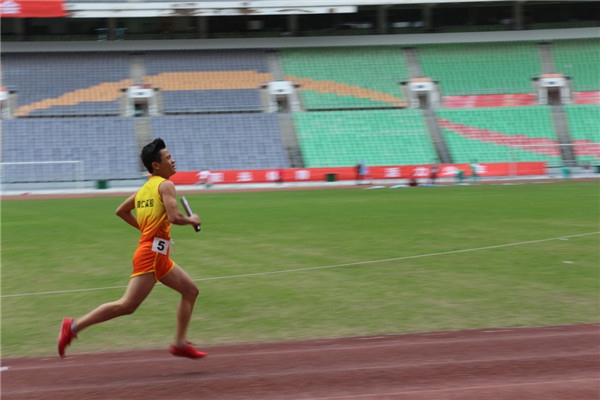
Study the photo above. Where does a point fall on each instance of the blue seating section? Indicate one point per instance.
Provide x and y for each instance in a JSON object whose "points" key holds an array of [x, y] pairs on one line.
{"points": [[81, 109], [236, 99], [222, 141], [38, 77], [181, 101], [205, 60], [106, 145]]}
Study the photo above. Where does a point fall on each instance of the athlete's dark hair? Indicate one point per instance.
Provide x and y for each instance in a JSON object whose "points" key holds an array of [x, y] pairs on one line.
{"points": [[151, 153]]}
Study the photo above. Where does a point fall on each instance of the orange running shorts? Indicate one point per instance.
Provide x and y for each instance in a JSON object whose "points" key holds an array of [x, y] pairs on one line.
{"points": [[145, 261]]}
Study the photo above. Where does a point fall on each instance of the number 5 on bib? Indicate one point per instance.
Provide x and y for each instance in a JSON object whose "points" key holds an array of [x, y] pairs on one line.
{"points": [[160, 245]]}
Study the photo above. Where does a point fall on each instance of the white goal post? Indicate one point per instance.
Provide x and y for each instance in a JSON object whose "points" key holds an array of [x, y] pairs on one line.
{"points": [[43, 171]]}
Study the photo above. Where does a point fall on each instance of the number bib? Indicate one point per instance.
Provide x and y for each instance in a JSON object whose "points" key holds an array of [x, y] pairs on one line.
{"points": [[160, 245]]}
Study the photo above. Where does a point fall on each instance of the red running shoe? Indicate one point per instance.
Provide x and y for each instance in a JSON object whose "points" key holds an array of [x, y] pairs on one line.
{"points": [[186, 350], [65, 336]]}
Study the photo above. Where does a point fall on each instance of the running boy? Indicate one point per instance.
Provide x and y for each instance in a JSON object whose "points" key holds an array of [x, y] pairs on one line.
{"points": [[156, 210]]}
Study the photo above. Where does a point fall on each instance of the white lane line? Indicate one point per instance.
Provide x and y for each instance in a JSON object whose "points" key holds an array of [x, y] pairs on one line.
{"points": [[320, 267]]}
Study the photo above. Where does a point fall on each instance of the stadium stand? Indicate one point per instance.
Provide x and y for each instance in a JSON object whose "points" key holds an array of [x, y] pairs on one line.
{"points": [[500, 134], [490, 100], [187, 101], [578, 59], [223, 141], [380, 137], [206, 60], [199, 81], [590, 97], [355, 109], [347, 77], [481, 68], [106, 145], [66, 84], [582, 121]]}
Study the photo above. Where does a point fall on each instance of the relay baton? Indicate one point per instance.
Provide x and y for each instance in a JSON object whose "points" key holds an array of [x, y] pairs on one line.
{"points": [[189, 212]]}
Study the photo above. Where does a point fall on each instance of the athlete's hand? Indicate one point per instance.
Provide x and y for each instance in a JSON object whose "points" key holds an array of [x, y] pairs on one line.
{"points": [[195, 220]]}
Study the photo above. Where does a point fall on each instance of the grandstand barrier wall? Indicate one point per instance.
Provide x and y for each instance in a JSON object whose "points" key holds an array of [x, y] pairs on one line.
{"points": [[349, 173]]}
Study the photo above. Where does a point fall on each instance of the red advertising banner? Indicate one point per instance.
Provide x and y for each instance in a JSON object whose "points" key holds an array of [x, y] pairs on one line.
{"points": [[349, 173], [32, 8]]}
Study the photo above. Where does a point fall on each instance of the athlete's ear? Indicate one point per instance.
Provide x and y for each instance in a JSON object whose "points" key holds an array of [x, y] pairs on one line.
{"points": [[155, 165]]}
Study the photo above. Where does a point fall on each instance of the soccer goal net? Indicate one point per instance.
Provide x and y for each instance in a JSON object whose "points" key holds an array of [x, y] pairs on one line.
{"points": [[42, 172]]}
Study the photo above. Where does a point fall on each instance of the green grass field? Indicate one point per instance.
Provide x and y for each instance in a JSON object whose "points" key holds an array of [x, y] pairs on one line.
{"points": [[65, 245]]}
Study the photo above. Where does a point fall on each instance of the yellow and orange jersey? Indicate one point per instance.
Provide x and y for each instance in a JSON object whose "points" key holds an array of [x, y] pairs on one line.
{"points": [[150, 210]]}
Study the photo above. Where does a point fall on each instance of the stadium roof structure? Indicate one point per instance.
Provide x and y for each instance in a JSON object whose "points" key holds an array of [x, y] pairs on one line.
{"points": [[174, 8], [146, 20]]}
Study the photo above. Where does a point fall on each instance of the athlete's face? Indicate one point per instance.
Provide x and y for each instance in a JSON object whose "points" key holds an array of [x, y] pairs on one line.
{"points": [[167, 163]]}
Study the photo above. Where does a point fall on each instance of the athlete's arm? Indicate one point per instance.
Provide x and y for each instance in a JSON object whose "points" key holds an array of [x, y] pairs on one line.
{"points": [[167, 191], [124, 211]]}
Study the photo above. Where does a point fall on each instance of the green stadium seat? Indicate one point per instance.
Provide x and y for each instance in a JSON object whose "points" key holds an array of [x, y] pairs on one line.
{"points": [[578, 59], [481, 68], [380, 137], [582, 121], [502, 134], [336, 71]]}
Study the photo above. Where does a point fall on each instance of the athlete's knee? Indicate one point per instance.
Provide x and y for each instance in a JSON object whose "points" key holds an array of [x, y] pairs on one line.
{"points": [[192, 292], [127, 308]]}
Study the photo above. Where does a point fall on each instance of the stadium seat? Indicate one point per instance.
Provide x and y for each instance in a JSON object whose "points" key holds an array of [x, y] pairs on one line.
{"points": [[106, 146], [380, 137], [500, 134], [582, 121], [66, 84], [481, 68], [578, 60], [200, 81], [347, 77], [223, 141]]}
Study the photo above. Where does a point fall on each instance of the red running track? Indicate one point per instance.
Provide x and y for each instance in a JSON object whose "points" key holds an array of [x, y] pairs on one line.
{"points": [[541, 363]]}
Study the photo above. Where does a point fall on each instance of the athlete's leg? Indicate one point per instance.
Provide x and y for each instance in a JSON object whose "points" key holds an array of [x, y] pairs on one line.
{"points": [[138, 289], [180, 281]]}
